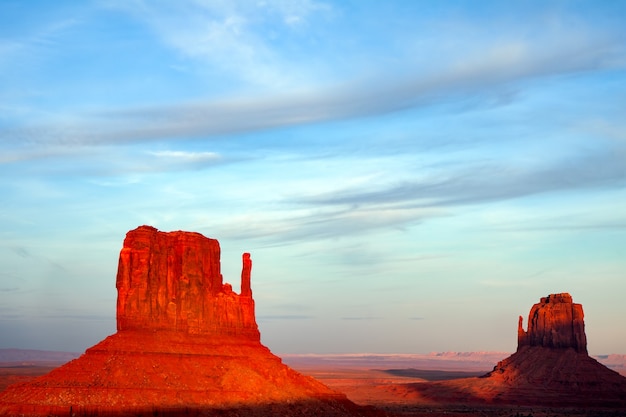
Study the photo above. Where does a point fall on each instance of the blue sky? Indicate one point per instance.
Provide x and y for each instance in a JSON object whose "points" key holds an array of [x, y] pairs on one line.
{"points": [[409, 176]]}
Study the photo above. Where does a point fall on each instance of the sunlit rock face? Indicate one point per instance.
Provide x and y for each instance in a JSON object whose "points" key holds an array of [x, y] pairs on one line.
{"points": [[172, 281], [186, 345], [555, 322]]}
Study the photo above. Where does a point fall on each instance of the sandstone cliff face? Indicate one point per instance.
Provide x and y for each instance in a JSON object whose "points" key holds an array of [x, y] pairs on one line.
{"points": [[172, 281], [555, 322]]}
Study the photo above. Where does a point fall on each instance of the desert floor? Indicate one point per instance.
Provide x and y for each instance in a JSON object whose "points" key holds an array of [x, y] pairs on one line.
{"points": [[385, 389], [382, 388]]}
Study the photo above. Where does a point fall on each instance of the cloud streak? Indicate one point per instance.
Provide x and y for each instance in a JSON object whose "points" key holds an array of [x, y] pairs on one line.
{"points": [[284, 317], [498, 65], [400, 205], [230, 37], [361, 318], [486, 183], [310, 225]]}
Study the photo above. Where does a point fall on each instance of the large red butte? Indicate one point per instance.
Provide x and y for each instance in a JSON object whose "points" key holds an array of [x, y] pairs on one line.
{"points": [[172, 281], [186, 345]]}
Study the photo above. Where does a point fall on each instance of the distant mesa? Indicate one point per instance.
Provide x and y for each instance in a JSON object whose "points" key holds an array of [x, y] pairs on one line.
{"points": [[551, 366], [186, 345]]}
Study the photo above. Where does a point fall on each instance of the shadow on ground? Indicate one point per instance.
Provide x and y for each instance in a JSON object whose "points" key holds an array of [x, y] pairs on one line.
{"points": [[432, 375], [291, 409]]}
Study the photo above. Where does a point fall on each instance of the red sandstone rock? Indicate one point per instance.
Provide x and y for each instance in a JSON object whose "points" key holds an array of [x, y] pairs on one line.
{"points": [[555, 322], [246, 290], [172, 281], [186, 345], [551, 367]]}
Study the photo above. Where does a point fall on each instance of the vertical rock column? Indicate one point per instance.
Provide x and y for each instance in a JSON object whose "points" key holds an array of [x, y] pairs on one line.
{"points": [[246, 270]]}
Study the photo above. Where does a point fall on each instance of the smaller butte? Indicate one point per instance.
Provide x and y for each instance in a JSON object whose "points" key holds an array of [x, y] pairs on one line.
{"points": [[551, 367]]}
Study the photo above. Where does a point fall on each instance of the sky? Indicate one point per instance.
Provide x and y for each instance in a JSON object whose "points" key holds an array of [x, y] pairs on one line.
{"points": [[409, 176]]}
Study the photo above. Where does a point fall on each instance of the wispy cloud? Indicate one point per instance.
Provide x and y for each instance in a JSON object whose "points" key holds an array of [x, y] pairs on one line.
{"points": [[361, 318], [494, 182], [561, 224], [206, 119], [233, 37], [29, 48], [177, 160], [284, 317], [77, 316], [186, 156], [500, 283], [364, 208], [21, 251], [323, 224], [102, 161]]}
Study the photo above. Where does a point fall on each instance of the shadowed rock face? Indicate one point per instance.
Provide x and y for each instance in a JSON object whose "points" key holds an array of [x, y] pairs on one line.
{"points": [[186, 345], [555, 322]]}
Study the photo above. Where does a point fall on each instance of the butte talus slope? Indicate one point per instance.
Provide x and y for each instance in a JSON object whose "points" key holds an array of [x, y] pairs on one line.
{"points": [[186, 344], [551, 367]]}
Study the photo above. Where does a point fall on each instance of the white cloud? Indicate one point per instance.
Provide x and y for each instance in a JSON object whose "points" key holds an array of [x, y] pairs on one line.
{"points": [[188, 157], [374, 97], [31, 46], [233, 36], [310, 224]]}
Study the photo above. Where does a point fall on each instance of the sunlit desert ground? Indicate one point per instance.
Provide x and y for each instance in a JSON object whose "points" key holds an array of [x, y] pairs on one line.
{"points": [[383, 381]]}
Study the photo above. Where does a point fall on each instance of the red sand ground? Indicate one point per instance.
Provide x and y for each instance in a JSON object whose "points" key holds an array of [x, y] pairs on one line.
{"points": [[392, 388], [184, 375], [449, 392]]}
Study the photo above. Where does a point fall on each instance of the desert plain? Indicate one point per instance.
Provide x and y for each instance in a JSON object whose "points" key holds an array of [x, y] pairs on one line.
{"points": [[379, 380]]}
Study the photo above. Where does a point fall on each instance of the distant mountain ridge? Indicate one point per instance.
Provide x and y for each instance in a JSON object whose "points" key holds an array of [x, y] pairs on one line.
{"points": [[35, 357], [432, 360], [460, 361]]}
